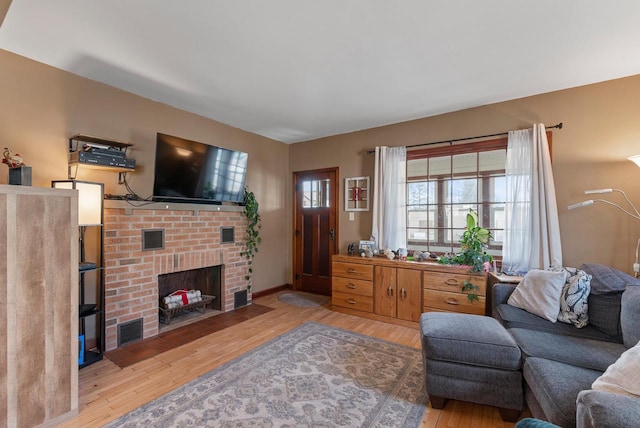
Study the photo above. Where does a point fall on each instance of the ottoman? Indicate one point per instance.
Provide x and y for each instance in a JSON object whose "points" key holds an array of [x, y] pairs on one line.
{"points": [[471, 358]]}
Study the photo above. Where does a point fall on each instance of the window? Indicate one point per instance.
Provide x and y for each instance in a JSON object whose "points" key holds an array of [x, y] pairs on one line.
{"points": [[315, 194], [443, 183]]}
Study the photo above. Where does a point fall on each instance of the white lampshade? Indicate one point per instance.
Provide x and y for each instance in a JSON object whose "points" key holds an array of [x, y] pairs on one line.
{"points": [[635, 159], [90, 197]]}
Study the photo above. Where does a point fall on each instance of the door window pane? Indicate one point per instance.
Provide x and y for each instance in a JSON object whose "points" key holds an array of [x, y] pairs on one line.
{"points": [[315, 194]]}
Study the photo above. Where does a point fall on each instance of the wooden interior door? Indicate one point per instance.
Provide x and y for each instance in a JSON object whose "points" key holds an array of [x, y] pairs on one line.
{"points": [[384, 291], [315, 229], [409, 294]]}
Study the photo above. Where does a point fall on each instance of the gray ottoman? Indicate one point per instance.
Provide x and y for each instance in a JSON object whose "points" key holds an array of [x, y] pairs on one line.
{"points": [[471, 358]]}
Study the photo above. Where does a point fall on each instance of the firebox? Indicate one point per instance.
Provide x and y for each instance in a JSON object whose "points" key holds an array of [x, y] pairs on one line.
{"points": [[207, 279]]}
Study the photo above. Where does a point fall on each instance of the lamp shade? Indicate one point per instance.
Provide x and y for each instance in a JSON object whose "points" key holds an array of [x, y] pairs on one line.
{"points": [[90, 199], [635, 159]]}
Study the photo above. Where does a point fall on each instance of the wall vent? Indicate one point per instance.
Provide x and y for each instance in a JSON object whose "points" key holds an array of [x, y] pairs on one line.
{"points": [[152, 239], [227, 234], [129, 332], [239, 299]]}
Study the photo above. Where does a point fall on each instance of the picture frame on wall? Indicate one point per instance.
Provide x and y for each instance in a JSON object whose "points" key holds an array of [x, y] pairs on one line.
{"points": [[356, 194]]}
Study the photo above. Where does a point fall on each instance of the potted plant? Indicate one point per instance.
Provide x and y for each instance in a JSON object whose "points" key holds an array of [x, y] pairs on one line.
{"points": [[473, 244], [252, 237]]}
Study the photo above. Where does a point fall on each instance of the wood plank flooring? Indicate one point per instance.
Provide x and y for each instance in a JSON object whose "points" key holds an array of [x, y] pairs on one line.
{"points": [[108, 391]]}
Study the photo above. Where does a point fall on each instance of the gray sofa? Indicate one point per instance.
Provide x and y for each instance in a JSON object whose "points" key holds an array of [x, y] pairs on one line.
{"points": [[560, 361]]}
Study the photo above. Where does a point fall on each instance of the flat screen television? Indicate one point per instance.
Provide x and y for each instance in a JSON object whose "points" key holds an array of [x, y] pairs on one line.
{"points": [[188, 171]]}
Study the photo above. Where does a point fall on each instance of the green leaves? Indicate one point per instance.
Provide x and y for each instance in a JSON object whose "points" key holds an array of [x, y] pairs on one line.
{"points": [[252, 237]]}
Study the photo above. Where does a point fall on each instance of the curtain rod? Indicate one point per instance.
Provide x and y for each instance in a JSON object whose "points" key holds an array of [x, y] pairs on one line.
{"points": [[558, 126]]}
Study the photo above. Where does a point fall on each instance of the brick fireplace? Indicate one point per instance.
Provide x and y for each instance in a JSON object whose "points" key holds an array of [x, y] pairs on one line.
{"points": [[192, 239]]}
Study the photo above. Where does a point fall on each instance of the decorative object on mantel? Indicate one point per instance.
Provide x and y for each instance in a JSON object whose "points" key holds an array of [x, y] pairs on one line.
{"points": [[312, 375], [474, 242], [252, 237], [19, 173]]}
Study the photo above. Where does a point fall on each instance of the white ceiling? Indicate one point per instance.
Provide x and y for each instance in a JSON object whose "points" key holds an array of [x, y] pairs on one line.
{"points": [[295, 70]]}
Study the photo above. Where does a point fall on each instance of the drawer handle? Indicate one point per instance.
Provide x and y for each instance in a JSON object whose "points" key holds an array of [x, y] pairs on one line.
{"points": [[351, 270], [451, 281], [403, 293], [352, 301], [390, 291], [351, 285], [451, 301]]}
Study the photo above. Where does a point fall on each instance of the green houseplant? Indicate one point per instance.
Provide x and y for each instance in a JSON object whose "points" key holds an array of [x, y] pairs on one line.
{"points": [[252, 237], [473, 244]]}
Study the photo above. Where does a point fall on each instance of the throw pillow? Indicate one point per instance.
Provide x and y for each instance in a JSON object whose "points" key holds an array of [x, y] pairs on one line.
{"points": [[623, 376], [630, 316], [574, 298], [539, 293]]}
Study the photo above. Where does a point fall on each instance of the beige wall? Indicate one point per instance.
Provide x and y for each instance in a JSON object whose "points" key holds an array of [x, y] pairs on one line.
{"points": [[601, 129], [40, 107]]}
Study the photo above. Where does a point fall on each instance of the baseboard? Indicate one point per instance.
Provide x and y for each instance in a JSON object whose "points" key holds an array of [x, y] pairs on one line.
{"points": [[274, 290]]}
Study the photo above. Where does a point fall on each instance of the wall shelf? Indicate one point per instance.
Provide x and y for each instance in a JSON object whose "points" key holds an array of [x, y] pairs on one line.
{"points": [[98, 153]]}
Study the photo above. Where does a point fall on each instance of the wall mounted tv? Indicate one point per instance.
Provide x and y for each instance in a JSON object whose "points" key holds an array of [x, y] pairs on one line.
{"points": [[188, 171]]}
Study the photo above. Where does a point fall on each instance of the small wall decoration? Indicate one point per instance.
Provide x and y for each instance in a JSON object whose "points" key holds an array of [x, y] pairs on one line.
{"points": [[356, 194]]}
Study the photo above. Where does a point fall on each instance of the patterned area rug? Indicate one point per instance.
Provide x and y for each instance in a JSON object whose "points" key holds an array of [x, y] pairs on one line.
{"points": [[305, 300], [311, 376]]}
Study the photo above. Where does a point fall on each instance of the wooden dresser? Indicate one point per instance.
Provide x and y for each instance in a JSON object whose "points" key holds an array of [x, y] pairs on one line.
{"points": [[401, 290]]}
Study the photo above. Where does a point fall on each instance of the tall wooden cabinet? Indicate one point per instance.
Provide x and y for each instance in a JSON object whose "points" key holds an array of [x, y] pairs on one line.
{"points": [[39, 291]]}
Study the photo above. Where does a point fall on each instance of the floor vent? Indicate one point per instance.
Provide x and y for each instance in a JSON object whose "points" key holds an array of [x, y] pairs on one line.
{"points": [[129, 332], [239, 299]]}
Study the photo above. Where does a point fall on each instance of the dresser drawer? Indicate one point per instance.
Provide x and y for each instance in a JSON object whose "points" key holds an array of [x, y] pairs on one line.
{"points": [[453, 302], [352, 301], [453, 282], [352, 286], [353, 270]]}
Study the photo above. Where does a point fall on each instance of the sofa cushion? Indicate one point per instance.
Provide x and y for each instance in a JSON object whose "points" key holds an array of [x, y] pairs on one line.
{"points": [[623, 376], [468, 339], [607, 286], [577, 351], [512, 317], [598, 409], [604, 313], [606, 280], [556, 387], [539, 293], [630, 316]]}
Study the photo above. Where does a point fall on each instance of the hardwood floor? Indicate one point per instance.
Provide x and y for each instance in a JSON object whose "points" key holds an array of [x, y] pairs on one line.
{"points": [[108, 391]]}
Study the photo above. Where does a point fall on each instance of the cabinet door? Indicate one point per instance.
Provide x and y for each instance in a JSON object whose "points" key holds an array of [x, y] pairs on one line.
{"points": [[384, 284], [409, 287]]}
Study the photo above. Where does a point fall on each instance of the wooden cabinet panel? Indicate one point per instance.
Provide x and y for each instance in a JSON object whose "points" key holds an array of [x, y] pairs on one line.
{"points": [[453, 282], [384, 291], [39, 321], [353, 286], [409, 293], [353, 270], [454, 302], [352, 301]]}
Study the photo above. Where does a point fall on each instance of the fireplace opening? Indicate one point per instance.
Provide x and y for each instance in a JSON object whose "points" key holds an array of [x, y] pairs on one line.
{"points": [[208, 280]]}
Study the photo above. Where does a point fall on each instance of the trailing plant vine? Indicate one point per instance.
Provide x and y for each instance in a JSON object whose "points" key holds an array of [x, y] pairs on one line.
{"points": [[473, 244], [252, 237]]}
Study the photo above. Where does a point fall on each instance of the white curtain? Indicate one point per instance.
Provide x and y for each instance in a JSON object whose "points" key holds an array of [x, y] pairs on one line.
{"points": [[389, 198], [532, 231]]}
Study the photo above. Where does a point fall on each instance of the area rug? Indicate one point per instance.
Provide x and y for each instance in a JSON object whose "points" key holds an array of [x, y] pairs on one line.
{"points": [[305, 300], [311, 376]]}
